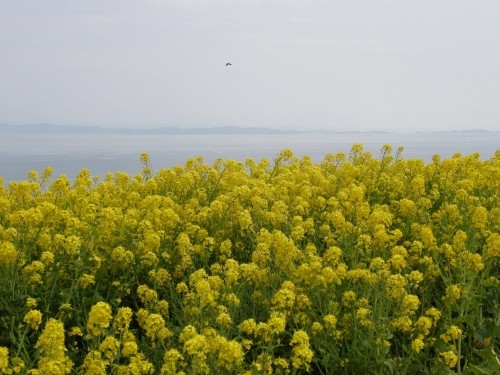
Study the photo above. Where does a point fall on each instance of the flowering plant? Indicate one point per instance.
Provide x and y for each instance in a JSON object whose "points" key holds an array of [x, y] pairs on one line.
{"points": [[355, 264]]}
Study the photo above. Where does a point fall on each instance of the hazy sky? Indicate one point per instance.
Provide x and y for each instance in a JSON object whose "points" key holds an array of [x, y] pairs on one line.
{"points": [[336, 64]]}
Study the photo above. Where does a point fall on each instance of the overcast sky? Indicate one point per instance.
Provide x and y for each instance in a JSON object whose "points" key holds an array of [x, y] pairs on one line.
{"points": [[347, 64]]}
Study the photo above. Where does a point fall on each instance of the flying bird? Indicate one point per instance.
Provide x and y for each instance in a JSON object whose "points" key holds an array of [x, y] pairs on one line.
{"points": [[228, 64]]}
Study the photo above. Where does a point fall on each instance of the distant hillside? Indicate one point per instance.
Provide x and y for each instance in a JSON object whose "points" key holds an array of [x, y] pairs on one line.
{"points": [[69, 129], [479, 131]]}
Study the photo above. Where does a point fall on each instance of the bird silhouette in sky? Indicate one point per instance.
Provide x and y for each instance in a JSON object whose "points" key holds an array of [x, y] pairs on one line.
{"points": [[228, 64]]}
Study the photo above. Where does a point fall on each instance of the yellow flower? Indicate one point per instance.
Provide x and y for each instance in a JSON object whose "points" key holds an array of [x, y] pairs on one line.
{"points": [[434, 313], [398, 262], [4, 360], [428, 238], [232, 299], [402, 323], [473, 261], [332, 256], [452, 333], [492, 247], [51, 341], [85, 280], [31, 302], [348, 298], [75, 331], [453, 293], [161, 276], [377, 263], [47, 257], [231, 272], [139, 365], [170, 362], [52, 349], [410, 304], [276, 322], [316, 327], [65, 307], [450, 359], [223, 319], [225, 249], [330, 321], [17, 365], [99, 318], [480, 217], [162, 307], [196, 346], [122, 319], [182, 288], [363, 317], [407, 207], [282, 364], [415, 278], [145, 159], [230, 353], [424, 325], [146, 294], [246, 344], [33, 318], [94, 364], [109, 347], [8, 253], [130, 348], [459, 241], [155, 327], [207, 295], [396, 286], [262, 364], [187, 333], [122, 257], [418, 344], [301, 352], [262, 330], [66, 311], [248, 326], [122, 370]]}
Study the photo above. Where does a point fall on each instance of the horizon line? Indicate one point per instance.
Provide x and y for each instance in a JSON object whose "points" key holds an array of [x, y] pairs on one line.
{"points": [[219, 129]]}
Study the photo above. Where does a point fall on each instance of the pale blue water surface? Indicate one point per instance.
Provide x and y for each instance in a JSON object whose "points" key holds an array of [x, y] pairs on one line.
{"points": [[102, 153]]}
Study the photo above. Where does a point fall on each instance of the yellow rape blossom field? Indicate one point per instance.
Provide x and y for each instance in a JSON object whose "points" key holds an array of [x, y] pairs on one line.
{"points": [[358, 264]]}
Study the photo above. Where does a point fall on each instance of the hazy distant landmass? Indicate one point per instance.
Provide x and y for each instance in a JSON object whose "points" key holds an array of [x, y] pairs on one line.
{"points": [[464, 131], [71, 129], [213, 130]]}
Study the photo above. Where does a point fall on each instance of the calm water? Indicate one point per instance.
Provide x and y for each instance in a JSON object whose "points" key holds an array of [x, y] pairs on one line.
{"points": [[102, 153]]}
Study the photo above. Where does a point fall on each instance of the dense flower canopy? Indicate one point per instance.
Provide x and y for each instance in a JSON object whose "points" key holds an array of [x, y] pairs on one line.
{"points": [[355, 264]]}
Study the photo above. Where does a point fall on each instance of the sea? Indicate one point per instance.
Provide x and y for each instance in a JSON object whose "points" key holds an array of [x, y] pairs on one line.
{"points": [[104, 153]]}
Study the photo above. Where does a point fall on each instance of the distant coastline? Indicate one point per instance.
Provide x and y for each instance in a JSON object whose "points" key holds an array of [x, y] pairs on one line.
{"points": [[230, 130], [214, 130]]}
